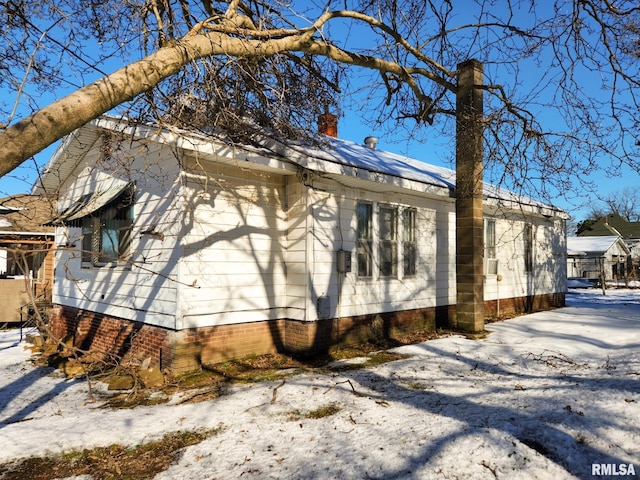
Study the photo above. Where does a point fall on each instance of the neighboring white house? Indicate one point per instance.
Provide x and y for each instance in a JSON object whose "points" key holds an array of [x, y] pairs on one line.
{"points": [[189, 249], [597, 257], [614, 224]]}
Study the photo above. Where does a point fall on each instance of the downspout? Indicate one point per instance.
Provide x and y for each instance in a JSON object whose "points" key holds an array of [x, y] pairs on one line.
{"points": [[498, 280]]}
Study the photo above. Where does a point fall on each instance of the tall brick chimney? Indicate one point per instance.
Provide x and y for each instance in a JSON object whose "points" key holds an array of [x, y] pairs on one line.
{"points": [[328, 123]]}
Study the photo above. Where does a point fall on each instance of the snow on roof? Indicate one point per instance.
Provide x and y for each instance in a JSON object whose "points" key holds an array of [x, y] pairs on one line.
{"points": [[332, 156], [585, 245], [356, 155]]}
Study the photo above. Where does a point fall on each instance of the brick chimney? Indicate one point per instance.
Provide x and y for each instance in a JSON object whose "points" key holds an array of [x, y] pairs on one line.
{"points": [[328, 123]]}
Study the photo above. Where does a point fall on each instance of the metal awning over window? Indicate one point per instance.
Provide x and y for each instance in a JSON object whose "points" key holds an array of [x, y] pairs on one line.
{"points": [[90, 203]]}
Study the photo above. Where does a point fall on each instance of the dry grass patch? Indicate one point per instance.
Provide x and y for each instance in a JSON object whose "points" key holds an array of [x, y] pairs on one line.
{"points": [[320, 412], [136, 463], [213, 380]]}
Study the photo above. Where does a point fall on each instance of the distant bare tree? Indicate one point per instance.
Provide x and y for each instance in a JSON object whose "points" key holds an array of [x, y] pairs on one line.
{"points": [[625, 202]]}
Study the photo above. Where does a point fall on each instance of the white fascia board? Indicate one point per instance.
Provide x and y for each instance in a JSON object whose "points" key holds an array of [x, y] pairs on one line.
{"points": [[526, 206], [63, 162], [245, 157], [394, 183], [229, 154]]}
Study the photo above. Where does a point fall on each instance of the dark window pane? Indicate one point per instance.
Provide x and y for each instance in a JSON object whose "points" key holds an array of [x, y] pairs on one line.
{"points": [[364, 248], [409, 259], [528, 248], [409, 253], [388, 245]]}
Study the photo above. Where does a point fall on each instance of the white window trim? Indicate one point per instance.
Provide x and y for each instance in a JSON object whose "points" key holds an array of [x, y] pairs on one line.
{"points": [[375, 242], [490, 262]]}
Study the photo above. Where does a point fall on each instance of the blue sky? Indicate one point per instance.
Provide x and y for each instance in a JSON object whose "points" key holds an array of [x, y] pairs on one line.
{"points": [[351, 128], [436, 150]]}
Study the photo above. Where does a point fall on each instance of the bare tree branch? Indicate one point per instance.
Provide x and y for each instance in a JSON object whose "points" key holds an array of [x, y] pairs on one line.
{"points": [[562, 78]]}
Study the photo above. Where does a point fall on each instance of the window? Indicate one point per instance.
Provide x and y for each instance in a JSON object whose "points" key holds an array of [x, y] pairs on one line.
{"points": [[365, 239], [528, 248], [491, 262], [409, 250], [388, 243], [383, 238], [106, 232]]}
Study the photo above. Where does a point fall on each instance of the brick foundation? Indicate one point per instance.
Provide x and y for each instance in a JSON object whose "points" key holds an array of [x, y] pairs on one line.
{"points": [[508, 307], [186, 350], [121, 339]]}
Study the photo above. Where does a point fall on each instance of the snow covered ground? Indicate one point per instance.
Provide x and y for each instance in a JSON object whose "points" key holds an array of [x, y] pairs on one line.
{"points": [[553, 395]]}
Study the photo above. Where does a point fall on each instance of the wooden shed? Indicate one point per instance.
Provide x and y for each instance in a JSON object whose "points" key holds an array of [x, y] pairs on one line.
{"points": [[26, 255]]}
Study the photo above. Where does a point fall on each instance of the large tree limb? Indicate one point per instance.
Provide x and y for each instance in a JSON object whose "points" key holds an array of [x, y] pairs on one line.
{"points": [[34, 133]]}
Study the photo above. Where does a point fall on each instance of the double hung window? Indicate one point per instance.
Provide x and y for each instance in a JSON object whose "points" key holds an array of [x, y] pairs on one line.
{"points": [[409, 246], [491, 262], [365, 239], [388, 241], [383, 238], [528, 248]]}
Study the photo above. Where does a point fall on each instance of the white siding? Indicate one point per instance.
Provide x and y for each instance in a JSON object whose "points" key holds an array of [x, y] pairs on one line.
{"points": [[145, 290], [549, 258], [220, 244], [234, 249], [298, 297], [333, 226]]}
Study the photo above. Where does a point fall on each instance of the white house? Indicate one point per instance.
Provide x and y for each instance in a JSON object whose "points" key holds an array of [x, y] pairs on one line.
{"points": [[192, 250], [605, 257]]}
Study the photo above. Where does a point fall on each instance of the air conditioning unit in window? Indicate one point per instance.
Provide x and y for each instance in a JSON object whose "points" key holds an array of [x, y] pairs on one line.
{"points": [[491, 266]]}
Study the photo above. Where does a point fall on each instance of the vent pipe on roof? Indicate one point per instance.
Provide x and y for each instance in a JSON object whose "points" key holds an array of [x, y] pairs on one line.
{"points": [[371, 142]]}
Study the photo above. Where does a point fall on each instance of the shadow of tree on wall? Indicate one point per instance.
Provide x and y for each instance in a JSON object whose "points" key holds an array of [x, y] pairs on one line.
{"points": [[276, 218], [234, 234]]}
